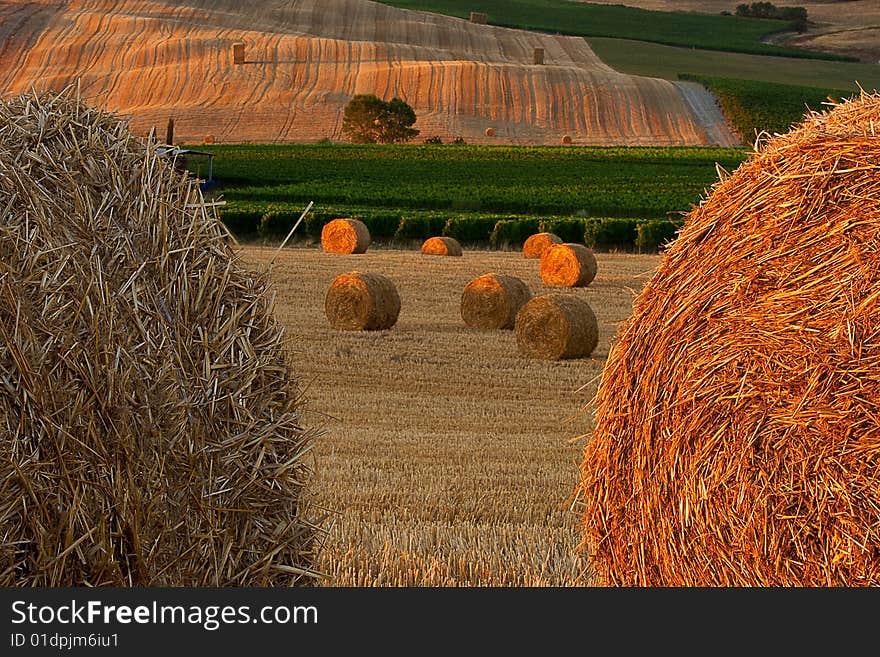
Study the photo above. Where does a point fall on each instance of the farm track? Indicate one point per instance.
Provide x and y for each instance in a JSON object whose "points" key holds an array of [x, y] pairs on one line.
{"points": [[447, 459], [153, 60]]}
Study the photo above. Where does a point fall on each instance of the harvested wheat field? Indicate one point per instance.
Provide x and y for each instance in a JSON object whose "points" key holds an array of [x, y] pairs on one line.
{"points": [[446, 456], [737, 436], [304, 60]]}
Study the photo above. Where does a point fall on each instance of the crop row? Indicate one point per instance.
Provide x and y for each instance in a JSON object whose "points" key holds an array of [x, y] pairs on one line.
{"points": [[549, 180], [274, 223]]}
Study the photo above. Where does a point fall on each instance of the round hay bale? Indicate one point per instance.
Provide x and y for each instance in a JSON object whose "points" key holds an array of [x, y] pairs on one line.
{"points": [[567, 265], [491, 301], [150, 424], [359, 301], [442, 246], [490, 132], [737, 439], [566, 139], [209, 139], [345, 236], [535, 244], [555, 326]]}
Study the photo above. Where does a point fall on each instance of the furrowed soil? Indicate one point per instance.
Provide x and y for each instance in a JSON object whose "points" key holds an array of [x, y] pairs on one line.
{"points": [[446, 458]]}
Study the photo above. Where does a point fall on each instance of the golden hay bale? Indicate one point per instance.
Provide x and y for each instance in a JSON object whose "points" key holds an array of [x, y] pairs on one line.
{"points": [[490, 132], [555, 325], [535, 244], [345, 236], [566, 139], [567, 265], [209, 139], [737, 438], [491, 301], [442, 246], [150, 424], [359, 301]]}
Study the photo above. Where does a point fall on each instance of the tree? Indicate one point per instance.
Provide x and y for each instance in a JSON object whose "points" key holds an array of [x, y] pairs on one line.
{"points": [[370, 120]]}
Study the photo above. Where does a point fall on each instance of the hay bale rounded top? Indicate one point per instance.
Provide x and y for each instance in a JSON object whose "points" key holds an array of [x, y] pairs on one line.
{"points": [[359, 301], [490, 132], [737, 439], [149, 420], [568, 265], [535, 244], [345, 235], [491, 301], [442, 246]]}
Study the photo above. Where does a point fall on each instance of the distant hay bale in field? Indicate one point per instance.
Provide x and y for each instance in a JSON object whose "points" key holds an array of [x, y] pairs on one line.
{"points": [[345, 236], [556, 326], [359, 301], [568, 265], [442, 246], [490, 132], [479, 17], [538, 56], [150, 424], [737, 438], [566, 139], [491, 301], [535, 244], [209, 139], [238, 53]]}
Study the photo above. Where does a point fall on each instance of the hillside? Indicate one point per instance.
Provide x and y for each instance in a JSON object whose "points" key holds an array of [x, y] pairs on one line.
{"points": [[840, 27], [154, 59]]}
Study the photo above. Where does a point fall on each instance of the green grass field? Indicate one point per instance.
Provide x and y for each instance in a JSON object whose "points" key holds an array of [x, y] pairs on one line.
{"points": [[609, 197], [659, 61], [754, 107], [712, 32], [584, 181]]}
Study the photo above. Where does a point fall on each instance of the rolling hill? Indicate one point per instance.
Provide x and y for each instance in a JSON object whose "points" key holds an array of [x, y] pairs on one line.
{"points": [[152, 60]]}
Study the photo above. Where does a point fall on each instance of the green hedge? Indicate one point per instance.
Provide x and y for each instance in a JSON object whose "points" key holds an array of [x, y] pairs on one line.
{"points": [[568, 230], [513, 231], [610, 233], [654, 234], [274, 221], [470, 229]]}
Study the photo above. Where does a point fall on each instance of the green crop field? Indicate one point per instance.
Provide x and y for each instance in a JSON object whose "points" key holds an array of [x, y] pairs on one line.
{"points": [[754, 107], [655, 60], [712, 32], [619, 182], [415, 191]]}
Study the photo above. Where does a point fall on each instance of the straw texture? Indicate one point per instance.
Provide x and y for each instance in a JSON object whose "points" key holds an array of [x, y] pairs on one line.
{"points": [[442, 246], [555, 326], [535, 244], [150, 425], [345, 236], [567, 265], [737, 437], [359, 301], [491, 301]]}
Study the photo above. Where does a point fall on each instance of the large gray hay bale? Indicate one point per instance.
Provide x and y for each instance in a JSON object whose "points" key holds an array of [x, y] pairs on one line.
{"points": [[359, 301], [555, 326], [150, 424], [491, 301]]}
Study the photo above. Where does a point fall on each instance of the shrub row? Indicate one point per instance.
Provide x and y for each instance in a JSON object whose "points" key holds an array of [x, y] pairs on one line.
{"points": [[273, 222]]}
